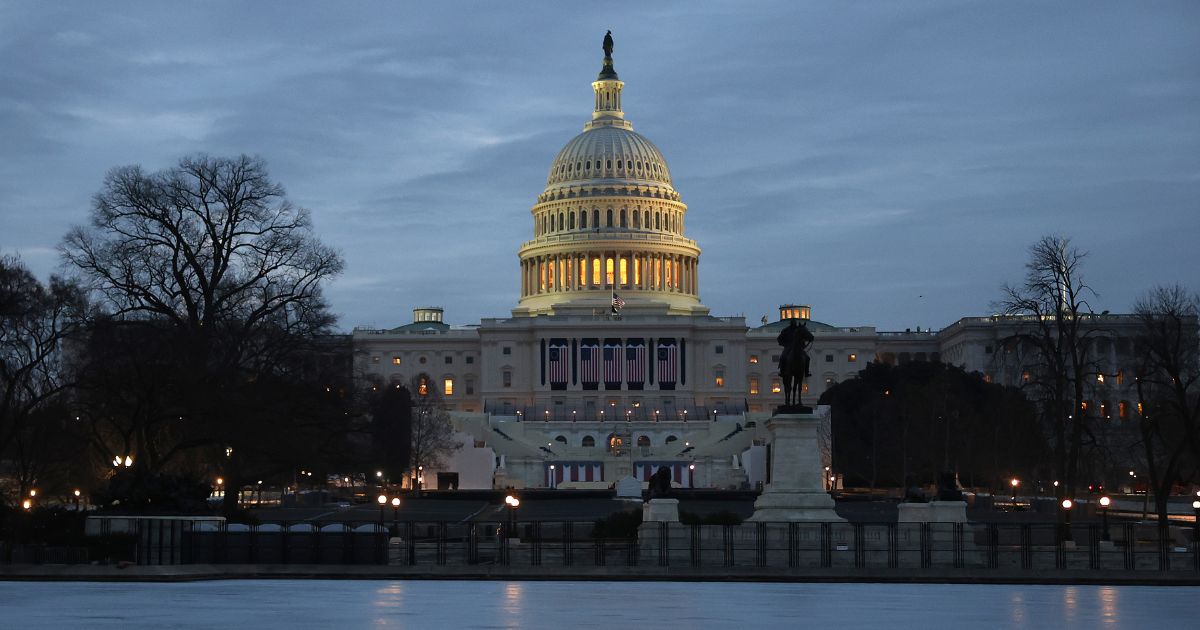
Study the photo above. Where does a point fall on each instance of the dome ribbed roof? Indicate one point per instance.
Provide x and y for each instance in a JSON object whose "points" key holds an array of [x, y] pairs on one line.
{"points": [[609, 153]]}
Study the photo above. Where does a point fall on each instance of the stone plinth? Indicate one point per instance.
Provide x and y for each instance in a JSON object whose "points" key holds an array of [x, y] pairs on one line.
{"points": [[660, 510], [933, 512], [796, 491]]}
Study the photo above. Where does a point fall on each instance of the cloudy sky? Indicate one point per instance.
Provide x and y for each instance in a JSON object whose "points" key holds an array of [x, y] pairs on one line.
{"points": [[887, 163]]}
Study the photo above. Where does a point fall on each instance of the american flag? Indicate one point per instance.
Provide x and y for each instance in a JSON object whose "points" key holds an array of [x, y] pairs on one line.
{"points": [[666, 362], [612, 363], [589, 362], [560, 362], [635, 362], [618, 303]]}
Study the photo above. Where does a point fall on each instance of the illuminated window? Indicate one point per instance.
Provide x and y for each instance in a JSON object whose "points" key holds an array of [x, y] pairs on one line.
{"points": [[1140, 409], [1120, 377], [852, 357], [1100, 378], [776, 386], [583, 273], [1083, 405], [987, 378], [753, 385], [754, 358], [448, 386], [1104, 409], [423, 386], [624, 270], [804, 388], [637, 270], [609, 266], [395, 360], [550, 277], [507, 377], [1025, 377], [596, 271], [1123, 410], [719, 380]]}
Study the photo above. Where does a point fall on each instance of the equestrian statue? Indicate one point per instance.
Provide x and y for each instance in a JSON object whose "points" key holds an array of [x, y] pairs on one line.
{"points": [[794, 364]]}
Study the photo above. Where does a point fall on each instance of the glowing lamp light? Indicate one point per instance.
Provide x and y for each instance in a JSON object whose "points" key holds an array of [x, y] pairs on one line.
{"points": [[1067, 504], [128, 461], [381, 499], [1105, 501], [1015, 482], [77, 493], [220, 481], [1196, 505], [33, 493], [691, 467], [396, 502], [27, 504], [379, 474]]}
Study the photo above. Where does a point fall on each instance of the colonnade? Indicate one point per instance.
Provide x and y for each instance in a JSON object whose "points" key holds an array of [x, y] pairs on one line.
{"points": [[593, 271]]}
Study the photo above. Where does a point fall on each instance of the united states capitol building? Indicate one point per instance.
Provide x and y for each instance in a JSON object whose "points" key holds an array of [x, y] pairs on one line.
{"points": [[569, 391]]}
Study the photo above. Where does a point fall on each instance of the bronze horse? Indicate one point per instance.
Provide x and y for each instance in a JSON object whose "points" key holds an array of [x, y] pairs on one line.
{"points": [[794, 361]]}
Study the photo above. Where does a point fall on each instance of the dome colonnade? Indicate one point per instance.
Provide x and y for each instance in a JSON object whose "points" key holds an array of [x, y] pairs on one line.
{"points": [[609, 220]]}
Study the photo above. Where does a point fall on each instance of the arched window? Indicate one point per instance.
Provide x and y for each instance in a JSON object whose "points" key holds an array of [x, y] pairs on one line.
{"points": [[646, 221], [583, 219], [643, 440], [623, 223], [609, 163], [658, 220], [595, 218], [571, 221], [560, 221], [610, 218], [670, 438], [637, 219], [588, 441], [560, 438], [597, 165]]}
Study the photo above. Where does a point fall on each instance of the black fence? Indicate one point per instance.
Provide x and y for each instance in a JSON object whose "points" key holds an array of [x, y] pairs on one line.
{"points": [[775, 546]]}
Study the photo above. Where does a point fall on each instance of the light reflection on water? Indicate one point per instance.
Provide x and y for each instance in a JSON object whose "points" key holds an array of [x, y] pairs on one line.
{"points": [[444, 605]]}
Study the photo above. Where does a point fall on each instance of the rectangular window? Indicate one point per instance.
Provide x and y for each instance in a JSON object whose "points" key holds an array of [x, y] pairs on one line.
{"points": [[507, 350], [449, 360], [720, 349], [395, 360], [470, 360], [470, 386], [753, 386], [448, 386], [776, 386], [852, 358], [507, 378], [1120, 378], [829, 358]]}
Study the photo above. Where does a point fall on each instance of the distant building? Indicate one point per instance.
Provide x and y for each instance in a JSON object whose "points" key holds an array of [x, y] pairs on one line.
{"points": [[610, 365]]}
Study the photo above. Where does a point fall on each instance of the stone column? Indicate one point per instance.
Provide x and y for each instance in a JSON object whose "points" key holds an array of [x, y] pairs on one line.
{"points": [[797, 489]]}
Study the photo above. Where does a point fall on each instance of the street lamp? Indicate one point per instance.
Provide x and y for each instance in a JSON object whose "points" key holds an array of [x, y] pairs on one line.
{"points": [[395, 516], [1067, 504], [77, 494], [552, 478], [1014, 482], [512, 502], [382, 499], [1196, 523], [1104, 503]]}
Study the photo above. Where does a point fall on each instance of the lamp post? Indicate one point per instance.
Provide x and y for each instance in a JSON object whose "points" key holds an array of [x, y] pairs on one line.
{"points": [[1104, 503], [1067, 504], [395, 516], [1196, 523], [77, 494], [512, 502], [382, 499], [1014, 483]]}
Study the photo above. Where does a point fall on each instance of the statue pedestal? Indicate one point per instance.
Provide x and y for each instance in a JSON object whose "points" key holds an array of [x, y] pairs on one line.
{"points": [[932, 512], [660, 511], [796, 491]]}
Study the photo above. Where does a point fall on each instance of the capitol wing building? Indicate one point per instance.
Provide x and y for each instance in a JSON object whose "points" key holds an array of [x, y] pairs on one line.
{"points": [[610, 365]]}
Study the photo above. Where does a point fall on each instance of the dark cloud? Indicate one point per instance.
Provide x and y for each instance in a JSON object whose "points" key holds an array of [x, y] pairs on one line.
{"points": [[887, 163]]}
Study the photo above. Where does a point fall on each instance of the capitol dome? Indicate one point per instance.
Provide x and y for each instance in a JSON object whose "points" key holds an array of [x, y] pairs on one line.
{"points": [[609, 153], [609, 224]]}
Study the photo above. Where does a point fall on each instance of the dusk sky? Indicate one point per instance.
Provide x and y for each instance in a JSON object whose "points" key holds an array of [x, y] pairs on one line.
{"points": [[888, 163]]}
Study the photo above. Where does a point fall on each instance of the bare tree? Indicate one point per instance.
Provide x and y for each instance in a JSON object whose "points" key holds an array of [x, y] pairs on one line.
{"points": [[213, 258], [35, 323], [1168, 383], [432, 434], [1054, 325]]}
